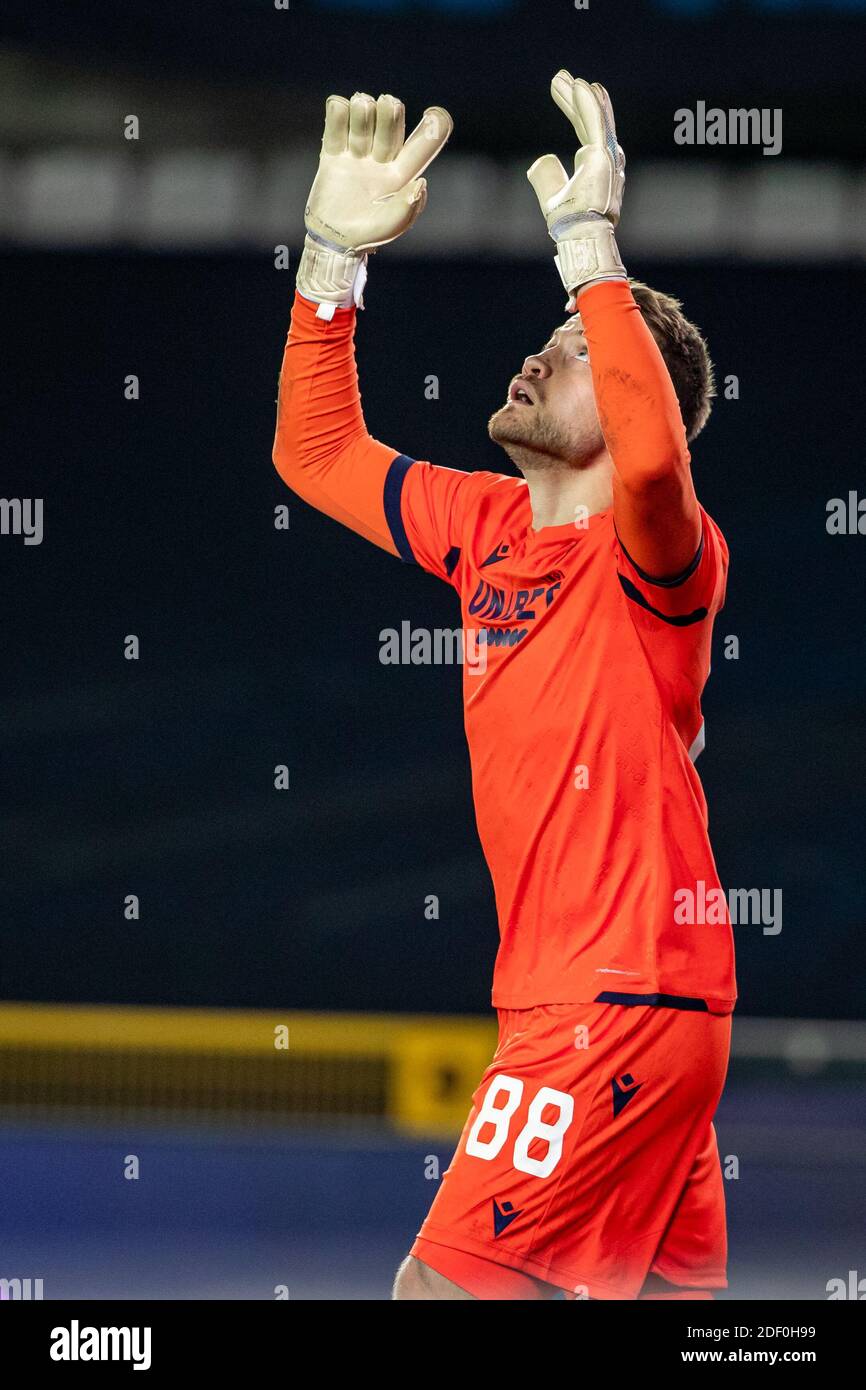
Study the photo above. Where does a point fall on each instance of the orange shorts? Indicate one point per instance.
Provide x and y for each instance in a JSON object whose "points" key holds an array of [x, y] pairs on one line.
{"points": [[589, 1159]]}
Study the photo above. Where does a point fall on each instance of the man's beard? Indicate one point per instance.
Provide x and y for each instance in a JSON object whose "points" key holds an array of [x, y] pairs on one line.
{"points": [[532, 440]]}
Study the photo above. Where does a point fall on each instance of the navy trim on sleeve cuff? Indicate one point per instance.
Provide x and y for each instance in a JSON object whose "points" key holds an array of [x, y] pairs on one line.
{"points": [[665, 583], [393, 491]]}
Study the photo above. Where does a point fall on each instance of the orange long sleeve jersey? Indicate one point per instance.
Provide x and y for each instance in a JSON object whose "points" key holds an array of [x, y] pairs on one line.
{"points": [[583, 724]]}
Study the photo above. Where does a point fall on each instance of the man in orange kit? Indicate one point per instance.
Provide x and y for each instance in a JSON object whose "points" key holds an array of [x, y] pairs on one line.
{"points": [[588, 1166]]}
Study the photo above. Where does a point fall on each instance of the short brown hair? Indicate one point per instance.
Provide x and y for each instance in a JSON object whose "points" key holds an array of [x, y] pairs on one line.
{"points": [[684, 351]]}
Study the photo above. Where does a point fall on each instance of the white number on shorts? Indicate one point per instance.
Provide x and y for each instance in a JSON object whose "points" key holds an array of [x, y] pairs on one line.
{"points": [[499, 1117], [535, 1128]]}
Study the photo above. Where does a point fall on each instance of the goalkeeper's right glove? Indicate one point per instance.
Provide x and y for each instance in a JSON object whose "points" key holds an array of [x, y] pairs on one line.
{"points": [[366, 193]]}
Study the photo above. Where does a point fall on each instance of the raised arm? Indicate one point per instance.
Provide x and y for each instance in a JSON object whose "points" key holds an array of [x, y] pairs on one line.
{"points": [[655, 508], [322, 450]]}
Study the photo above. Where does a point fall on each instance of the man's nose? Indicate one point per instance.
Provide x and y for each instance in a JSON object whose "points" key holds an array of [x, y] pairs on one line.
{"points": [[535, 366]]}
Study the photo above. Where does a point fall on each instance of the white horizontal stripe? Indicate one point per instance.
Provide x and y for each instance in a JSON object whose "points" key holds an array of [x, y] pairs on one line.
{"points": [[209, 197]]}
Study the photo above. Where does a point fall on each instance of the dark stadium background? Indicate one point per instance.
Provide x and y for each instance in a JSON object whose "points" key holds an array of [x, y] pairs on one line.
{"points": [[260, 647]]}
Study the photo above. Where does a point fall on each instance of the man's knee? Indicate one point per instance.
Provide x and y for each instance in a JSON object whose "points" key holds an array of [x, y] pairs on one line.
{"points": [[416, 1281]]}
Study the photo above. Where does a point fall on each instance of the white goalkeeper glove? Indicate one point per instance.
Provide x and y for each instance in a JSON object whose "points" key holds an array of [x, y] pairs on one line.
{"points": [[582, 211], [367, 192]]}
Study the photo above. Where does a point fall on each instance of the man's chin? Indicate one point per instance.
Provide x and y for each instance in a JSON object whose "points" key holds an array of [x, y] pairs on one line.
{"points": [[506, 427]]}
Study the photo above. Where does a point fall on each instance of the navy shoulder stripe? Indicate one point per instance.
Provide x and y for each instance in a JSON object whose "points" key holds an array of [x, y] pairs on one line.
{"points": [[675, 620], [393, 491]]}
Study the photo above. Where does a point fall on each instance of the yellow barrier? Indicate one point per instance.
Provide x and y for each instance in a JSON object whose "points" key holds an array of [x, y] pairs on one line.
{"points": [[101, 1062]]}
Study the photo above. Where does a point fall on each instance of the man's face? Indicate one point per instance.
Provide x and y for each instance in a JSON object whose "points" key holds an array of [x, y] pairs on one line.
{"points": [[550, 411]]}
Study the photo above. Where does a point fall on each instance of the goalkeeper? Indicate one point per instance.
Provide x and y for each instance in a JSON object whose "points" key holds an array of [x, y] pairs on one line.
{"points": [[588, 1166]]}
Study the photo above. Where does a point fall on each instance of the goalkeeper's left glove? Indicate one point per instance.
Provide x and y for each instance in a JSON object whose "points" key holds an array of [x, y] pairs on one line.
{"points": [[367, 192], [583, 210]]}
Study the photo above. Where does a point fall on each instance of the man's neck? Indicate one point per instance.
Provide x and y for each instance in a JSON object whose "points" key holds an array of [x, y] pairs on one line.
{"points": [[556, 493]]}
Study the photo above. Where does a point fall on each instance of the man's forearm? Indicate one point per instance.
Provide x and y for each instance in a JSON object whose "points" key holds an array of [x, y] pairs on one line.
{"points": [[656, 511], [636, 401], [322, 449], [319, 406]]}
